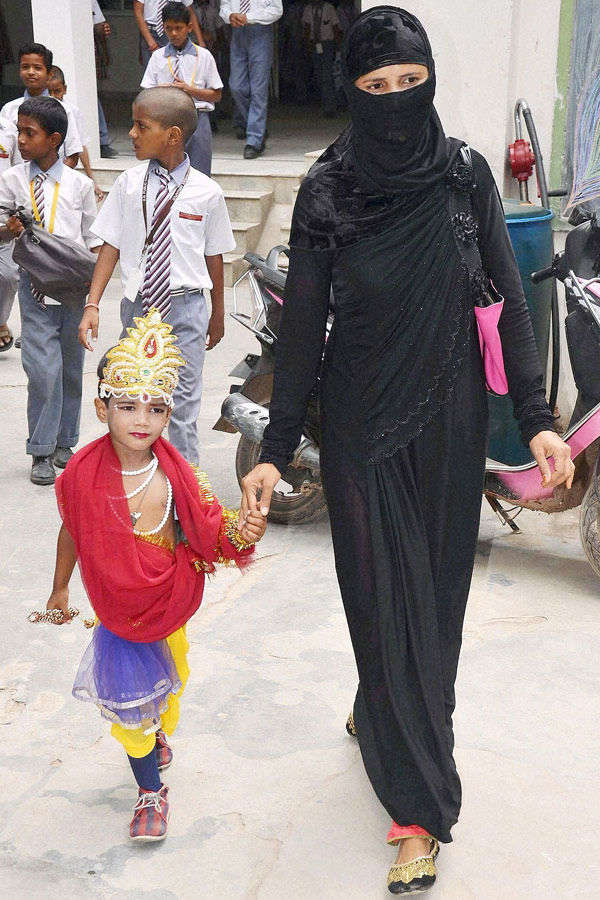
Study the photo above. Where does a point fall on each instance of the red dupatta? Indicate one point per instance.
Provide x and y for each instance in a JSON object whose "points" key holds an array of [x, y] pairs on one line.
{"points": [[138, 591]]}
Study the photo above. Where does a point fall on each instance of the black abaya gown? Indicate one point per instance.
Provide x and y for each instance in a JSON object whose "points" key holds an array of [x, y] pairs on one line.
{"points": [[404, 515]]}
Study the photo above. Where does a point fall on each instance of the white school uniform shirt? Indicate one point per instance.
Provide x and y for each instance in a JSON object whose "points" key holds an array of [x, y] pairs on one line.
{"points": [[97, 14], [8, 158], [200, 223], [261, 12], [10, 113], [73, 110], [197, 67], [75, 201], [9, 150], [153, 10]]}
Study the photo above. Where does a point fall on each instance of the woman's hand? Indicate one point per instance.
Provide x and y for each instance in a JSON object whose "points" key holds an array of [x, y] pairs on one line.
{"points": [[252, 528], [548, 443], [60, 600], [262, 478]]}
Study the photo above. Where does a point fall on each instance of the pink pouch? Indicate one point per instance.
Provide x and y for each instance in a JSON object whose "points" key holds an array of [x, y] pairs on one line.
{"points": [[487, 318]]}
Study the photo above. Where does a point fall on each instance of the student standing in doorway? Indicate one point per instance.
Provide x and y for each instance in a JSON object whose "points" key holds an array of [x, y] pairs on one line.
{"points": [[148, 15], [191, 69], [321, 33], [251, 59]]}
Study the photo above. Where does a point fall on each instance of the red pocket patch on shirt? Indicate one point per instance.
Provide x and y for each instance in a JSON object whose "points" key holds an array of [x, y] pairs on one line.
{"points": [[192, 216]]}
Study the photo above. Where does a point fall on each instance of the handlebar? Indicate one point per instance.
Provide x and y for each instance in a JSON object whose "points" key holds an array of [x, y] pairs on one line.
{"points": [[542, 274]]}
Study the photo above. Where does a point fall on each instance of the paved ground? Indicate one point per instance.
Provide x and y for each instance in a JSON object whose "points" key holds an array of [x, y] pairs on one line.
{"points": [[270, 798]]}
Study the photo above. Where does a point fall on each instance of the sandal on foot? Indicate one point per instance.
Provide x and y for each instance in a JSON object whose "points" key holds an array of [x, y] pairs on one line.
{"points": [[414, 876], [350, 726], [5, 332]]}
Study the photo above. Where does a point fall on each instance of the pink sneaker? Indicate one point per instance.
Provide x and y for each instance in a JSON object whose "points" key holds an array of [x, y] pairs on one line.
{"points": [[150, 816], [164, 754]]}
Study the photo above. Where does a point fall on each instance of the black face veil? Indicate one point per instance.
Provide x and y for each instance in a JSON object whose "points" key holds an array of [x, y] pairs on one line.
{"points": [[393, 154], [397, 138]]}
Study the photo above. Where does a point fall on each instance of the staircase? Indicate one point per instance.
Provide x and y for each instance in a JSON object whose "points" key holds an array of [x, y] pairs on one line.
{"points": [[260, 195]]}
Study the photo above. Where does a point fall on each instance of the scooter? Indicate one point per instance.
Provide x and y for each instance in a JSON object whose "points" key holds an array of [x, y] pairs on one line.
{"points": [[257, 305], [578, 267]]}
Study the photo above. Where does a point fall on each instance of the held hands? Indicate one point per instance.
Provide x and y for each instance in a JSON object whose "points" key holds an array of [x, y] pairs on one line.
{"points": [[252, 527], [60, 600], [548, 443], [262, 478]]}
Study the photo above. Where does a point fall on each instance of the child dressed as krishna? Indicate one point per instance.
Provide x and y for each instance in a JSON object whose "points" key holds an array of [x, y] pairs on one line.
{"points": [[145, 529]]}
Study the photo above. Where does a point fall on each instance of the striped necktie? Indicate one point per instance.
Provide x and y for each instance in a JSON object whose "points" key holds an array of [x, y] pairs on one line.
{"points": [[156, 290], [159, 22], [38, 196], [244, 7], [177, 66]]}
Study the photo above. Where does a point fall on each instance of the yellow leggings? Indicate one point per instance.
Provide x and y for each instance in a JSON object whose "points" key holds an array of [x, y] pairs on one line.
{"points": [[135, 742]]}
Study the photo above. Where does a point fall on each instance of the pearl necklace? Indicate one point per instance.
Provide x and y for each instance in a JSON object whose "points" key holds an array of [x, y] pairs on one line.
{"points": [[141, 471], [141, 487], [163, 521]]}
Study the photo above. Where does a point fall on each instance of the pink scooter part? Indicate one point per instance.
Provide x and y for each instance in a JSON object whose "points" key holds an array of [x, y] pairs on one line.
{"points": [[525, 482], [274, 296]]}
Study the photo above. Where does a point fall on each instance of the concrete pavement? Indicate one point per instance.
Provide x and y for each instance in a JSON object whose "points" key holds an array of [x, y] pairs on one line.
{"points": [[269, 795]]}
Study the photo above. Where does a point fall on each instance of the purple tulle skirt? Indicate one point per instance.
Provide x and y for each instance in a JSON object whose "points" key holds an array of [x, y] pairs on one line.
{"points": [[130, 682]]}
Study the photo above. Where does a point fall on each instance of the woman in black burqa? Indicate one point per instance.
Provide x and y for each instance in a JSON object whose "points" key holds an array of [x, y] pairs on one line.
{"points": [[403, 409]]}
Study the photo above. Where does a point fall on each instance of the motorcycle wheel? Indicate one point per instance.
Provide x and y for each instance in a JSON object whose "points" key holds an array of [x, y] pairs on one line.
{"points": [[589, 520], [294, 502]]}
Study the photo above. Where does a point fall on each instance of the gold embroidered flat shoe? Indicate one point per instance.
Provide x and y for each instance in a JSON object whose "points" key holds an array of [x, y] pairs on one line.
{"points": [[414, 876], [350, 726]]}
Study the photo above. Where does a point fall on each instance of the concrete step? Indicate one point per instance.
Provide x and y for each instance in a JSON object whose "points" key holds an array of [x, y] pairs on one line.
{"points": [[246, 235], [248, 206], [233, 266]]}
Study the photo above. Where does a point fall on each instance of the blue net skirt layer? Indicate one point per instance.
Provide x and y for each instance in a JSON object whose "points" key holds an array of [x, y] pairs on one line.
{"points": [[130, 682]]}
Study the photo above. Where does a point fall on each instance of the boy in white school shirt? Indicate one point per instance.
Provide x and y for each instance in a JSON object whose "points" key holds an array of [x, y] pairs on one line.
{"points": [[186, 67], [62, 201], [35, 62], [9, 273], [168, 226]]}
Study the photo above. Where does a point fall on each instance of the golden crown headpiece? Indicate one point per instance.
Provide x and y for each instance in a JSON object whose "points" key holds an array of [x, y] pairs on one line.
{"points": [[144, 364]]}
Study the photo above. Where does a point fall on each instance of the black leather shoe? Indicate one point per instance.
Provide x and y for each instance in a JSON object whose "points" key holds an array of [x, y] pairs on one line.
{"points": [[240, 133], [251, 152], [107, 152], [61, 456], [42, 470]]}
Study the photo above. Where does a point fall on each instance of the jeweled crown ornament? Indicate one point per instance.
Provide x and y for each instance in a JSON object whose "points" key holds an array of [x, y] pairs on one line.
{"points": [[144, 364]]}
